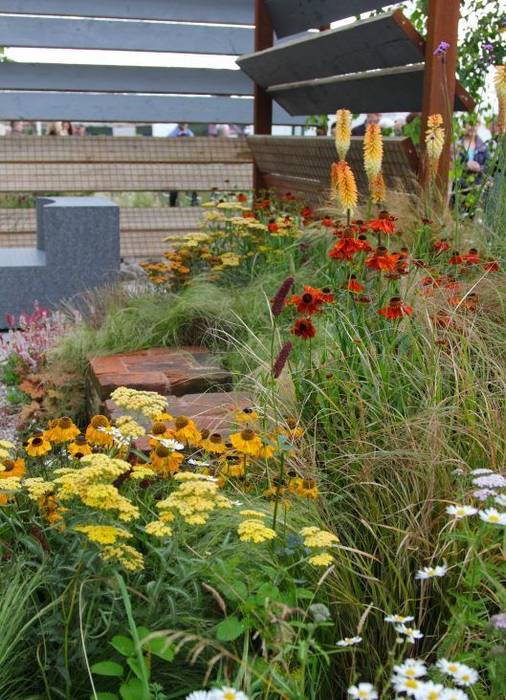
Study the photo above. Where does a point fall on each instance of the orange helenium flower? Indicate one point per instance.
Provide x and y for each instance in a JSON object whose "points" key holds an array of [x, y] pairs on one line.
{"points": [[311, 300], [355, 286], [396, 309], [382, 260], [304, 328]]}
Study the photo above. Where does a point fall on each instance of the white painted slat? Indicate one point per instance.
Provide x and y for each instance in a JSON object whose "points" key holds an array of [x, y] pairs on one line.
{"points": [[226, 11], [91, 107], [83, 78], [51, 32]]}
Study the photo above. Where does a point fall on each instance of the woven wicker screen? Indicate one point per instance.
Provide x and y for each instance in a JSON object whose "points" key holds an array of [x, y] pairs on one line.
{"points": [[145, 176]]}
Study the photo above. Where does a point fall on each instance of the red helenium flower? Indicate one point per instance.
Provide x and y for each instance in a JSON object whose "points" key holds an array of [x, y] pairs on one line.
{"points": [[382, 260], [304, 328], [396, 309]]}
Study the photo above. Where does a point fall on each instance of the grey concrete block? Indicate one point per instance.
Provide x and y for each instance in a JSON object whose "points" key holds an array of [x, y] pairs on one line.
{"points": [[78, 248]]}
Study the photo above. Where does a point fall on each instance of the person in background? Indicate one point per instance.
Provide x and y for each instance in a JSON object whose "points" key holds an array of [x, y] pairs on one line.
{"points": [[399, 127], [372, 118], [17, 128], [473, 155], [79, 130], [181, 131], [67, 129]]}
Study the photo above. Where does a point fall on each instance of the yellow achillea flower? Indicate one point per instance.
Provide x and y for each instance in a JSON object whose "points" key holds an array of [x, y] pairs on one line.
{"points": [[141, 472], [129, 427], [323, 559], [37, 488], [378, 188], [5, 446], [255, 531], [149, 403], [195, 498], [158, 528], [500, 88], [103, 534], [344, 185], [314, 537], [127, 556], [248, 513], [343, 132], [434, 140], [373, 150]]}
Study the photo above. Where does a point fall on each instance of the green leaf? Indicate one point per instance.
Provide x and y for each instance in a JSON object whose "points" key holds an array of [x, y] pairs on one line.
{"points": [[135, 666], [108, 668], [105, 696], [267, 590], [123, 645], [143, 632], [231, 628], [133, 690], [161, 648]]}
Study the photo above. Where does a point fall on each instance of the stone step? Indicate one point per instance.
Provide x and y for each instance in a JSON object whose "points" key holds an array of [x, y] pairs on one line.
{"points": [[210, 411], [168, 371]]}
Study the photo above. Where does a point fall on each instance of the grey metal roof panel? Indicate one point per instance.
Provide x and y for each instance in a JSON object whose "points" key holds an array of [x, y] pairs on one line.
{"points": [[396, 89], [384, 41]]}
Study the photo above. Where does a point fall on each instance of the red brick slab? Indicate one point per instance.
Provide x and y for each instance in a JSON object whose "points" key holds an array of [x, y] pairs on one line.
{"points": [[168, 371]]}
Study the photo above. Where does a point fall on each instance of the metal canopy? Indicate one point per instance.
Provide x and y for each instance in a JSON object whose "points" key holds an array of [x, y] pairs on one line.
{"points": [[397, 89], [293, 16], [384, 41]]}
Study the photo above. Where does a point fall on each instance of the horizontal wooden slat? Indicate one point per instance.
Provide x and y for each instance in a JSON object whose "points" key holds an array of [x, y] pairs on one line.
{"points": [[142, 230], [123, 177], [51, 32], [82, 78], [23, 221], [292, 16], [306, 161], [390, 90], [226, 11], [127, 149], [379, 42], [101, 107]]}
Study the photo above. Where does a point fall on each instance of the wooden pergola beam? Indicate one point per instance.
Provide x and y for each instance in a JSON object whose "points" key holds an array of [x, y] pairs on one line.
{"points": [[264, 39], [440, 80]]}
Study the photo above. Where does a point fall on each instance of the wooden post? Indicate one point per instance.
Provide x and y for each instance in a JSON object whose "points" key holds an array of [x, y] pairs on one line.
{"points": [[440, 79], [264, 39]]}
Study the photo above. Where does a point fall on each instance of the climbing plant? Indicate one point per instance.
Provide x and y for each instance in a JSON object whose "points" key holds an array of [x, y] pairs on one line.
{"points": [[482, 38]]}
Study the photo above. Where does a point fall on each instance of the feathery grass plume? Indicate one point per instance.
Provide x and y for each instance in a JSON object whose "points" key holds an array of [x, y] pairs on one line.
{"points": [[500, 88], [281, 360], [434, 140], [343, 132], [373, 150], [378, 188], [278, 303], [344, 185]]}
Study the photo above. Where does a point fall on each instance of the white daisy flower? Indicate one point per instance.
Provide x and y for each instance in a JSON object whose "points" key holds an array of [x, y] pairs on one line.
{"points": [[409, 632], [399, 619], [409, 686], [459, 512], [198, 695], [455, 694], [431, 572], [430, 691], [364, 691], [169, 443], [480, 472], [226, 693], [349, 641], [466, 676], [198, 463], [448, 667], [493, 516], [411, 668], [501, 500]]}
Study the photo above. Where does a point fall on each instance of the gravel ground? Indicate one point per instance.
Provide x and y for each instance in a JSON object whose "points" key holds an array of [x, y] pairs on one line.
{"points": [[7, 421]]}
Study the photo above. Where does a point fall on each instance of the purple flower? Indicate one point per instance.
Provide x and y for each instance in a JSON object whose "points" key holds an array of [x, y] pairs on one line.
{"points": [[483, 494], [442, 49], [278, 303], [499, 621], [488, 47], [491, 481], [281, 359]]}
